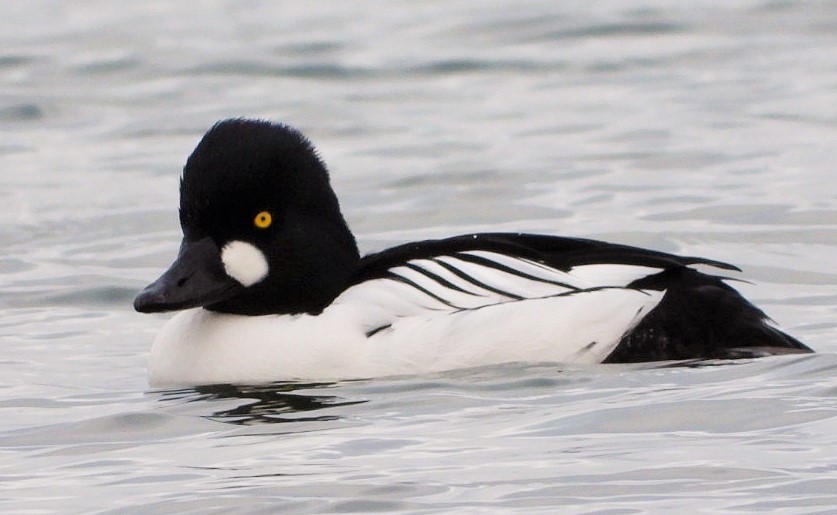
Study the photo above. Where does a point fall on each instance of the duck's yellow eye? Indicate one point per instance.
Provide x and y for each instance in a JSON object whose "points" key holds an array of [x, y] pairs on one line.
{"points": [[263, 220]]}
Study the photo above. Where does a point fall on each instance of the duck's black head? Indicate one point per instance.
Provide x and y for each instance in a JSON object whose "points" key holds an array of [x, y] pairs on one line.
{"points": [[262, 228]]}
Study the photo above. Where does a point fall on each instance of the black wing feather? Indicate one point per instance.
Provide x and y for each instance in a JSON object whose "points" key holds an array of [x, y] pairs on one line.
{"points": [[554, 251]]}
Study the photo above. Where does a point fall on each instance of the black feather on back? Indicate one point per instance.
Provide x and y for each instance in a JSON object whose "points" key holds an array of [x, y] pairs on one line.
{"points": [[557, 252]]}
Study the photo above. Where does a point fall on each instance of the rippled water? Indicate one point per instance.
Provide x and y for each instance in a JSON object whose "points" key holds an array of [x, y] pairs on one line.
{"points": [[704, 128]]}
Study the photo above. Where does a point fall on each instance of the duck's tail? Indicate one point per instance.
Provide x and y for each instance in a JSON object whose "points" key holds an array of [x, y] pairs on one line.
{"points": [[700, 316]]}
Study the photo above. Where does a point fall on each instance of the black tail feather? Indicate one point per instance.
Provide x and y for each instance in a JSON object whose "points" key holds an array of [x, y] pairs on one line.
{"points": [[700, 316]]}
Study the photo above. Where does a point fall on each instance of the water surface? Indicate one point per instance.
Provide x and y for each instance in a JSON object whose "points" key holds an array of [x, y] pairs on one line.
{"points": [[702, 128]]}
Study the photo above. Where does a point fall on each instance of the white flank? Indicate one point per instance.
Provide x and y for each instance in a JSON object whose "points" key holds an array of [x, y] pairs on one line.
{"points": [[202, 347], [244, 262], [444, 313]]}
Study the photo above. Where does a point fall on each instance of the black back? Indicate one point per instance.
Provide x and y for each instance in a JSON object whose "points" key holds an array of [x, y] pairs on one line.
{"points": [[557, 252]]}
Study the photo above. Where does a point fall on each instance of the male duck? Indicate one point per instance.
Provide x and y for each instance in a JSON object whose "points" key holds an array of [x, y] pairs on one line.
{"points": [[274, 289]]}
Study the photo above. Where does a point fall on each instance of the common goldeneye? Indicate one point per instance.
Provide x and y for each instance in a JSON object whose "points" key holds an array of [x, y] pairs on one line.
{"points": [[273, 287]]}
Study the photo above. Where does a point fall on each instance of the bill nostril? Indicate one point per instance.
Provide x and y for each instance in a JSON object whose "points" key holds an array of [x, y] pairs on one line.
{"points": [[182, 282]]}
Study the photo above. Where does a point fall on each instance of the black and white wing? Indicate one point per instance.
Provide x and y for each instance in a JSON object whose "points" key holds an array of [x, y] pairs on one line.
{"points": [[626, 303], [471, 271]]}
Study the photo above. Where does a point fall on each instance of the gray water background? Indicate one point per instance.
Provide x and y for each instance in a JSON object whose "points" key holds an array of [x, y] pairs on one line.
{"points": [[703, 128]]}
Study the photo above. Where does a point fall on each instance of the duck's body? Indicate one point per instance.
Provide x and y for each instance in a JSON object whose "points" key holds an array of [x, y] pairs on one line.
{"points": [[199, 346], [419, 316], [280, 292]]}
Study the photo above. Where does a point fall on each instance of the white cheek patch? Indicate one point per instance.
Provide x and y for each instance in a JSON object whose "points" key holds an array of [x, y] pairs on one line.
{"points": [[244, 262]]}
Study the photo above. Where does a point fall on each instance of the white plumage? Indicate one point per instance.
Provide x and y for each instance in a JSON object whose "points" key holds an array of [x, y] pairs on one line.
{"points": [[390, 327]]}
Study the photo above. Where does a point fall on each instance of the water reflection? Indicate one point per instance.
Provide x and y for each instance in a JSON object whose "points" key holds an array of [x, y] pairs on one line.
{"points": [[263, 404]]}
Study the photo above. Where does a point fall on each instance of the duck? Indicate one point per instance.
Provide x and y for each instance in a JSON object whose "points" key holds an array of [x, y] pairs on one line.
{"points": [[270, 286]]}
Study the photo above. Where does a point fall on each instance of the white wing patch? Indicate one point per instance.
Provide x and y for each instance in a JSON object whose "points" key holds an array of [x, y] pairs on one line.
{"points": [[612, 275], [474, 279]]}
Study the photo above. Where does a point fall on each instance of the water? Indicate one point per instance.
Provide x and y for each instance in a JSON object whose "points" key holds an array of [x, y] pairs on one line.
{"points": [[702, 128]]}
